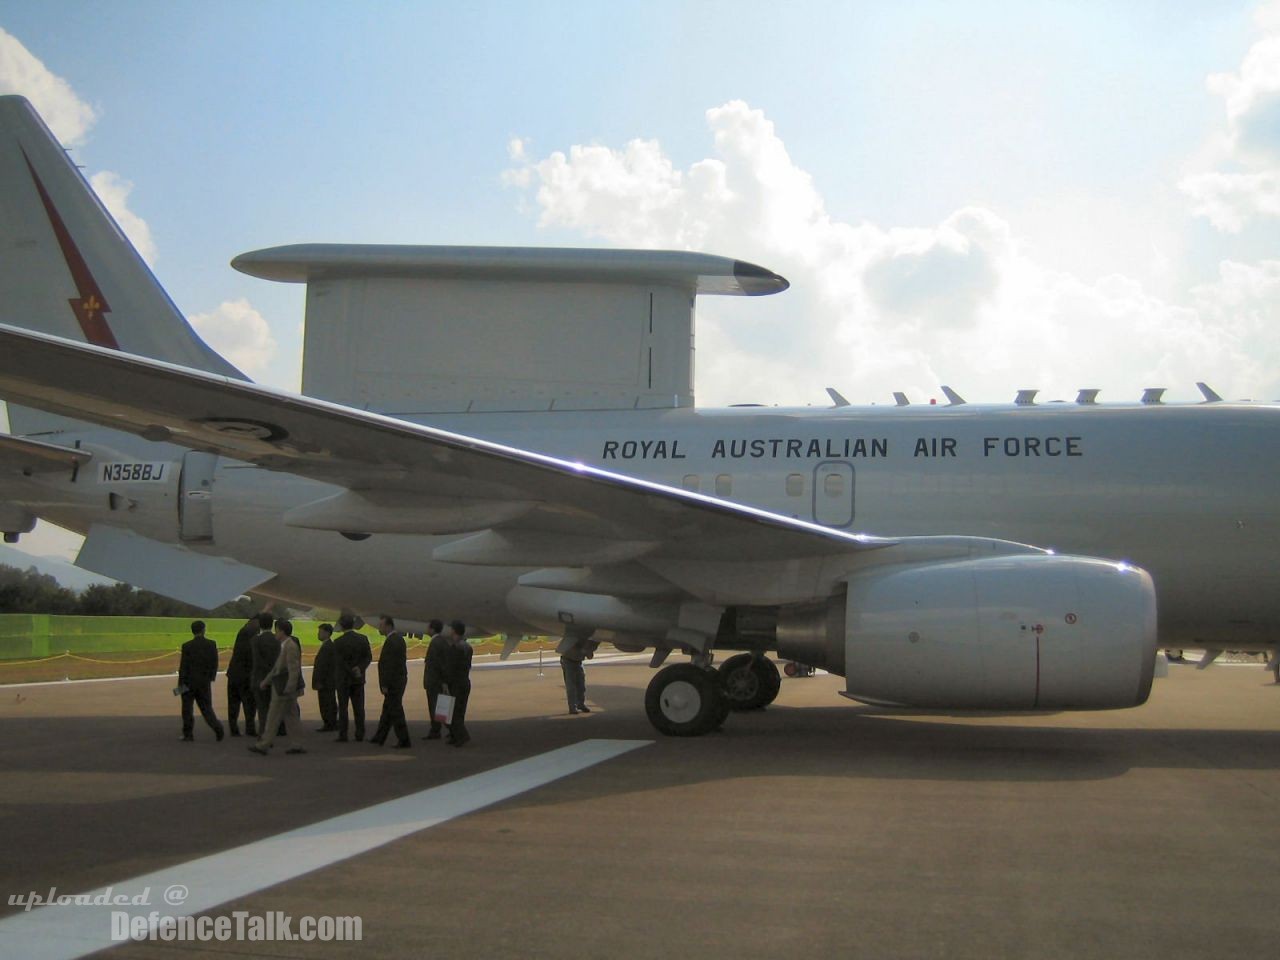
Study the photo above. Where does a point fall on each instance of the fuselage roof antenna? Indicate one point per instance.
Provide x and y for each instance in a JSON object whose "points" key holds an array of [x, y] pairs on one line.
{"points": [[954, 399], [1210, 395]]}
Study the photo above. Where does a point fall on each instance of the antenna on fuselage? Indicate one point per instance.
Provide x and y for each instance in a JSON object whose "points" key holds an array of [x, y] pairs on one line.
{"points": [[954, 399], [1087, 397], [1026, 398], [1152, 395], [900, 399], [1210, 395], [837, 399]]}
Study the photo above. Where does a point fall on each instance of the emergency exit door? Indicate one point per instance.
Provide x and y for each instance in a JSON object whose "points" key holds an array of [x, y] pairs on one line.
{"points": [[833, 493], [195, 497]]}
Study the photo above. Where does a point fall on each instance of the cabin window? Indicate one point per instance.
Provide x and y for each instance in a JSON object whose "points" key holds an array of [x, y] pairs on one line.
{"points": [[724, 485], [795, 484], [833, 485], [691, 482]]}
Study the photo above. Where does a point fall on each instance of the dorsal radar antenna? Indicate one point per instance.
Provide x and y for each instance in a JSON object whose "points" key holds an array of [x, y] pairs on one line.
{"points": [[1087, 397], [1153, 395], [1026, 398]]}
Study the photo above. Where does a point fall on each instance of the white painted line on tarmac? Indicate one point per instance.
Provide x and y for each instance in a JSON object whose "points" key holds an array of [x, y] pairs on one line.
{"points": [[71, 931]]}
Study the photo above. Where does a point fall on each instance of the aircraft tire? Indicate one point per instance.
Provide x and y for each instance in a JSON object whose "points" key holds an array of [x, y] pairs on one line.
{"points": [[749, 682], [684, 701]]}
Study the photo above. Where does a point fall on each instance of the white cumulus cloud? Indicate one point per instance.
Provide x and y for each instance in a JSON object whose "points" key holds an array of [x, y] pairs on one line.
{"points": [[241, 334], [1242, 180], [114, 193], [21, 72], [873, 309]]}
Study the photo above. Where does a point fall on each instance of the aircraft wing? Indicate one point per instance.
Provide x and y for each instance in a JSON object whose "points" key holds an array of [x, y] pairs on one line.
{"points": [[524, 508], [27, 457]]}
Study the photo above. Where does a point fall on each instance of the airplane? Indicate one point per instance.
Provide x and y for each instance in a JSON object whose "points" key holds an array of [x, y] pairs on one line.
{"points": [[508, 436]]}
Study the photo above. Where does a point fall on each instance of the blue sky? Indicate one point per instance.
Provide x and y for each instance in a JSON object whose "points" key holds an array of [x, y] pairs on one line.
{"points": [[989, 195]]}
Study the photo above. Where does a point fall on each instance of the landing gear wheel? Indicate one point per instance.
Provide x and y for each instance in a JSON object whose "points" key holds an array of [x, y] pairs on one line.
{"points": [[749, 682], [684, 701]]}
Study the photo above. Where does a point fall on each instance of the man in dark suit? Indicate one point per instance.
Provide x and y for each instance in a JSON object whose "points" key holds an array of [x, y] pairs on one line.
{"points": [[266, 647], [322, 679], [351, 658], [393, 677], [197, 669], [239, 687], [458, 676], [433, 670]]}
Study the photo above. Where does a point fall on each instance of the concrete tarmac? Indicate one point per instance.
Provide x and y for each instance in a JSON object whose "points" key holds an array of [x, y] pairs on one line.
{"points": [[816, 827]]}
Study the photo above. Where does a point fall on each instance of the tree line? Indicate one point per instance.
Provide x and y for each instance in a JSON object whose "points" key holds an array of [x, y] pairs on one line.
{"points": [[30, 591]]}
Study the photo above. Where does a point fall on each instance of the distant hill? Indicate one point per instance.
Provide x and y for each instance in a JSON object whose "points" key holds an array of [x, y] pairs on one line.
{"points": [[67, 574]]}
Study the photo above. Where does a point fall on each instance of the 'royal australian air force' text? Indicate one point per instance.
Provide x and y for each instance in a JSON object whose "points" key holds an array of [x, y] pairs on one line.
{"points": [[844, 448]]}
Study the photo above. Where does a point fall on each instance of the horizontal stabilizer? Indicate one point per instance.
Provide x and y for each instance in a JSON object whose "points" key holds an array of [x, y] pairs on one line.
{"points": [[27, 457], [167, 569]]}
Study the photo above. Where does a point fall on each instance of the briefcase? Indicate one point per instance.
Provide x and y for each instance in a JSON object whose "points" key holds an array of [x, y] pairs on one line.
{"points": [[444, 708]]}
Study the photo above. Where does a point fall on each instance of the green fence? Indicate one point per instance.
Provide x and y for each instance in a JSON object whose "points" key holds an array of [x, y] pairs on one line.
{"points": [[30, 636]]}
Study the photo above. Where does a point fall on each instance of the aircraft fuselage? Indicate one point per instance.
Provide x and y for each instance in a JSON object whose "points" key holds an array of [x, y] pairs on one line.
{"points": [[1186, 492]]}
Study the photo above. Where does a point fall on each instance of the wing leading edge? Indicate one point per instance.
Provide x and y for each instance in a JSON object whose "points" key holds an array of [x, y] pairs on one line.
{"points": [[524, 508]]}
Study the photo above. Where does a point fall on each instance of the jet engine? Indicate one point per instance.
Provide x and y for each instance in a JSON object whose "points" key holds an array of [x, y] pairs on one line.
{"points": [[1022, 632]]}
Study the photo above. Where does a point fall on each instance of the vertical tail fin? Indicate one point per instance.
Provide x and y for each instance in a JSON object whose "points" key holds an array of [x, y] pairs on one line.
{"points": [[67, 269]]}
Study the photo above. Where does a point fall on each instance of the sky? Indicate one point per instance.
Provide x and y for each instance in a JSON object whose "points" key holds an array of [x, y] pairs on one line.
{"points": [[987, 195]]}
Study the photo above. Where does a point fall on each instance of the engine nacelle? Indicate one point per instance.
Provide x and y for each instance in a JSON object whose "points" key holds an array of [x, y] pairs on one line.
{"points": [[1021, 632]]}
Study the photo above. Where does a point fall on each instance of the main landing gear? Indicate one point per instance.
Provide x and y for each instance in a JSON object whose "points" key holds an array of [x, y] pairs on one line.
{"points": [[749, 682], [687, 700]]}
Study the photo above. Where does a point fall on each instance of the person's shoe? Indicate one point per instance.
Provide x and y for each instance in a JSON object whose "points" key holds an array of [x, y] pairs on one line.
{"points": [[218, 734], [572, 711], [325, 729], [403, 746], [257, 749], [235, 731], [463, 742], [359, 737], [296, 750], [340, 738], [250, 732], [432, 736], [376, 743], [186, 738], [582, 708]]}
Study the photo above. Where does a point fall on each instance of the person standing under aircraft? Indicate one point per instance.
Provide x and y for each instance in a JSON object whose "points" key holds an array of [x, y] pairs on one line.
{"points": [[265, 650], [393, 677], [351, 657], [284, 680], [239, 684], [322, 679], [197, 670], [575, 678], [458, 676], [433, 673]]}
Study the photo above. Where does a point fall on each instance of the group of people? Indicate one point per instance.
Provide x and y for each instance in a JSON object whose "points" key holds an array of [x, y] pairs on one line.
{"points": [[265, 681]]}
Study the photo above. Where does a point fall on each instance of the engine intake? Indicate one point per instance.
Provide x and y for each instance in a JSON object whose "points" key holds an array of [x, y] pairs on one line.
{"points": [[1020, 632]]}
